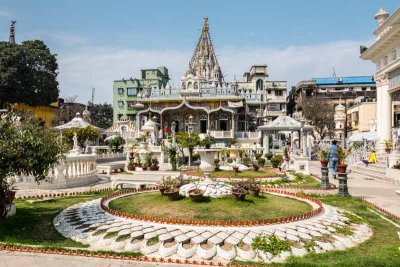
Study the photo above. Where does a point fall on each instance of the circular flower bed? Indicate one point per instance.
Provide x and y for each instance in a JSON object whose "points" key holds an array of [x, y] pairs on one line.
{"points": [[254, 211]]}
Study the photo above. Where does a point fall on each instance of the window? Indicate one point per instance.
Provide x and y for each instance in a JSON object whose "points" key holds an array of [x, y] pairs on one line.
{"points": [[120, 104], [120, 90], [132, 91], [364, 88], [269, 92], [278, 92]]}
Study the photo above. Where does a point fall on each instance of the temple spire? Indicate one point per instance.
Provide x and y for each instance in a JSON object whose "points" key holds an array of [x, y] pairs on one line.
{"points": [[204, 63], [11, 39]]}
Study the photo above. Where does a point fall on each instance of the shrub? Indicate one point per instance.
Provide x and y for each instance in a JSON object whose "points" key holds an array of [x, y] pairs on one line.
{"points": [[246, 161], [229, 160], [258, 155], [270, 244], [269, 155], [276, 160], [261, 161]]}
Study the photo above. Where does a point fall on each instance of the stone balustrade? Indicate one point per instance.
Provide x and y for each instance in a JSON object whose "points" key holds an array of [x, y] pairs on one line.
{"points": [[111, 155], [74, 170]]}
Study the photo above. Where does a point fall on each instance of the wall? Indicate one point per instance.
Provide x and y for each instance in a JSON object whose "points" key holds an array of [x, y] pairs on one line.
{"points": [[46, 113]]}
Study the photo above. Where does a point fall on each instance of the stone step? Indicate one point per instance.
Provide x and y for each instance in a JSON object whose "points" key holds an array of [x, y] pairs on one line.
{"points": [[369, 169]]}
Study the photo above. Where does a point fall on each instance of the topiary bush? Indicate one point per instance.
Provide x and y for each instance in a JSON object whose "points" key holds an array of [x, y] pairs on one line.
{"points": [[276, 160]]}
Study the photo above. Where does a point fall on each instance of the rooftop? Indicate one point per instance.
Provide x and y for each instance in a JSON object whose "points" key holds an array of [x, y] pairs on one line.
{"points": [[345, 80]]}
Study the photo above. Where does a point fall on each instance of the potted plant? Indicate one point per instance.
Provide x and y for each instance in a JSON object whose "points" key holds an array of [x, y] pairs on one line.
{"points": [[164, 184], [324, 157], [232, 142], [342, 166], [144, 167], [216, 162], [235, 168], [172, 193], [207, 142], [196, 194], [238, 191], [269, 155], [256, 166], [388, 146], [229, 160], [131, 165], [253, 187], [154, 165]]}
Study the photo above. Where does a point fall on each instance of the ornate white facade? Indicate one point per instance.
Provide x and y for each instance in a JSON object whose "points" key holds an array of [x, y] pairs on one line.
{"points": [[385, 54], [340, 121]]}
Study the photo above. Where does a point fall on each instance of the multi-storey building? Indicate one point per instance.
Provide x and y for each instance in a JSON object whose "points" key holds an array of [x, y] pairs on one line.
{"points": [[222, 109], [335, 89]]}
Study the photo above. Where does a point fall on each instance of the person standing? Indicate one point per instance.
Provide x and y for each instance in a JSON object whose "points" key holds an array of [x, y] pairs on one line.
{"points": [[166, 131], [286, 157], [333, 158]]}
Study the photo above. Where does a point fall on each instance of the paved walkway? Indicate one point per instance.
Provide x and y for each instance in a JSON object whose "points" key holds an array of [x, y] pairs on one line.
{"points": [[23, 259], [378, 192]]}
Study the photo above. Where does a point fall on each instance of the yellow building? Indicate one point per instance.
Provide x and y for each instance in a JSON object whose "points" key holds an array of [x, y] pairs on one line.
{"points": [[361, 117], [45, 113]]}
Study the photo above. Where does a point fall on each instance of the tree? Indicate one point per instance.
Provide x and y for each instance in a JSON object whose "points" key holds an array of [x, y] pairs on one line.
{"points": [[116, 142], [101, 115], [320, 113], [25, 147], [28, 74], [184, 140], [83, 134]]}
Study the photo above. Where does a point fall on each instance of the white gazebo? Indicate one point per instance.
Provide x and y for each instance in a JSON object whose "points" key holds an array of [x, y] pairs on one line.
{"points": [[77, 122], [286, 124]]}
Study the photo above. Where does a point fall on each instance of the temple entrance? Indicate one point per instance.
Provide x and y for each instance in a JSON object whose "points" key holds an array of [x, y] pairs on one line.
{"points": [[203, 126]]}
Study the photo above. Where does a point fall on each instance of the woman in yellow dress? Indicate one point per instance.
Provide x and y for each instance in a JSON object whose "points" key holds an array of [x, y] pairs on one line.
{"points": [[371, 158]]}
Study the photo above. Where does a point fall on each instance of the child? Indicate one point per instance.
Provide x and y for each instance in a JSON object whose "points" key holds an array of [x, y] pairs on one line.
{"points": [[371, 158]]}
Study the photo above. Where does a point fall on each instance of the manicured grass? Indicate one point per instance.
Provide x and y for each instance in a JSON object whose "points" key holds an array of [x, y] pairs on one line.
{"points": [[265, 207], [243, 174], [33, 223], [382, 249]]}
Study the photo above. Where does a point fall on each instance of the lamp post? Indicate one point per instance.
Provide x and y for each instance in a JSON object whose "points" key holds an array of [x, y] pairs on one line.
{"points": [[173, 126], [191, 123], [302, 122]]}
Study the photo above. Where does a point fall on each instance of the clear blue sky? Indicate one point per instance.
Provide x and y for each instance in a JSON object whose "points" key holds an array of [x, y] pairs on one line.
{"points": [[76, 28]]}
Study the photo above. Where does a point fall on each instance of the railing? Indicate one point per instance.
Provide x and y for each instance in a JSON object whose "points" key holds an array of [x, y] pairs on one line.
{"points": [[221, 134], [111, 155], [250, 135], [75, 170]]}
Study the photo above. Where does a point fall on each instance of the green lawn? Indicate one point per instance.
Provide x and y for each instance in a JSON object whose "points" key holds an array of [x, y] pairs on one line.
{"points": [[301, 180], [243, 174], [382, 249], [265, 207], [33, 223]]}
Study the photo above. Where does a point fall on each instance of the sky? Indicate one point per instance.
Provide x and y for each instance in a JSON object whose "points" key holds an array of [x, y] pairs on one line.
{"points": [[97, 42]]}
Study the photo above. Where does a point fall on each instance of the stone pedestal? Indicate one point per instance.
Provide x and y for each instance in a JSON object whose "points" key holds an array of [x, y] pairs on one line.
{"points": [[12, 209], [324, 177], [301, 164], [393, 158], [343, 189], [207, 157]]}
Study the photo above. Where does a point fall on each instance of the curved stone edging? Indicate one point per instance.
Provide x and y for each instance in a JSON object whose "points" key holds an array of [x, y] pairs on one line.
{"points": [[316, 204]]}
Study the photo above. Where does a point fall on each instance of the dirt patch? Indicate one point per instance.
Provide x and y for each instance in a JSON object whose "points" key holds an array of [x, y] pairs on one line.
{"points": [[187, 245], [206, 246], [226, 246], [169, 244]]}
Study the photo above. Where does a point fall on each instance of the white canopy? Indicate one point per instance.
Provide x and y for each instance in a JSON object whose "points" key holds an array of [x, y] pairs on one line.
{"points": [[285, 123], [369, 136]]}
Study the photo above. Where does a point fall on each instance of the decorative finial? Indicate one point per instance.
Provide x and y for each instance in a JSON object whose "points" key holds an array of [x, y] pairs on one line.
{"points": [[11, 39], [205, 24], [381, 16]]}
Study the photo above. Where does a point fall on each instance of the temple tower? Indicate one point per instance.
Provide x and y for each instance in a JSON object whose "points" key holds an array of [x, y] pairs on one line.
{"points": [[340, 121], [11, 38]]}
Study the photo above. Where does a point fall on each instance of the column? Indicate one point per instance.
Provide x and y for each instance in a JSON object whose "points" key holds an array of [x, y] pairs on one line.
{"points": [[137, 125], [384, 111], [233, 126]]}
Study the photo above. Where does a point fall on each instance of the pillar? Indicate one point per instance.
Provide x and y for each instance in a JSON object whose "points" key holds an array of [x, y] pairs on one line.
{"points": [[265, 142], [324, 177], [384, 110], [233, 126], [343, 188]]}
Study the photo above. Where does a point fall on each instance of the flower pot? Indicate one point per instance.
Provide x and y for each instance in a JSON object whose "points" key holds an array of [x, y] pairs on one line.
{"points": [[131, 168], [162, 190], [144, 168], [196, 195], [341, 168], [235, 169], [255, 168], [239, 194], [10, 197], [254, 191], [324, 163], [172, 194], [388, 150]]}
